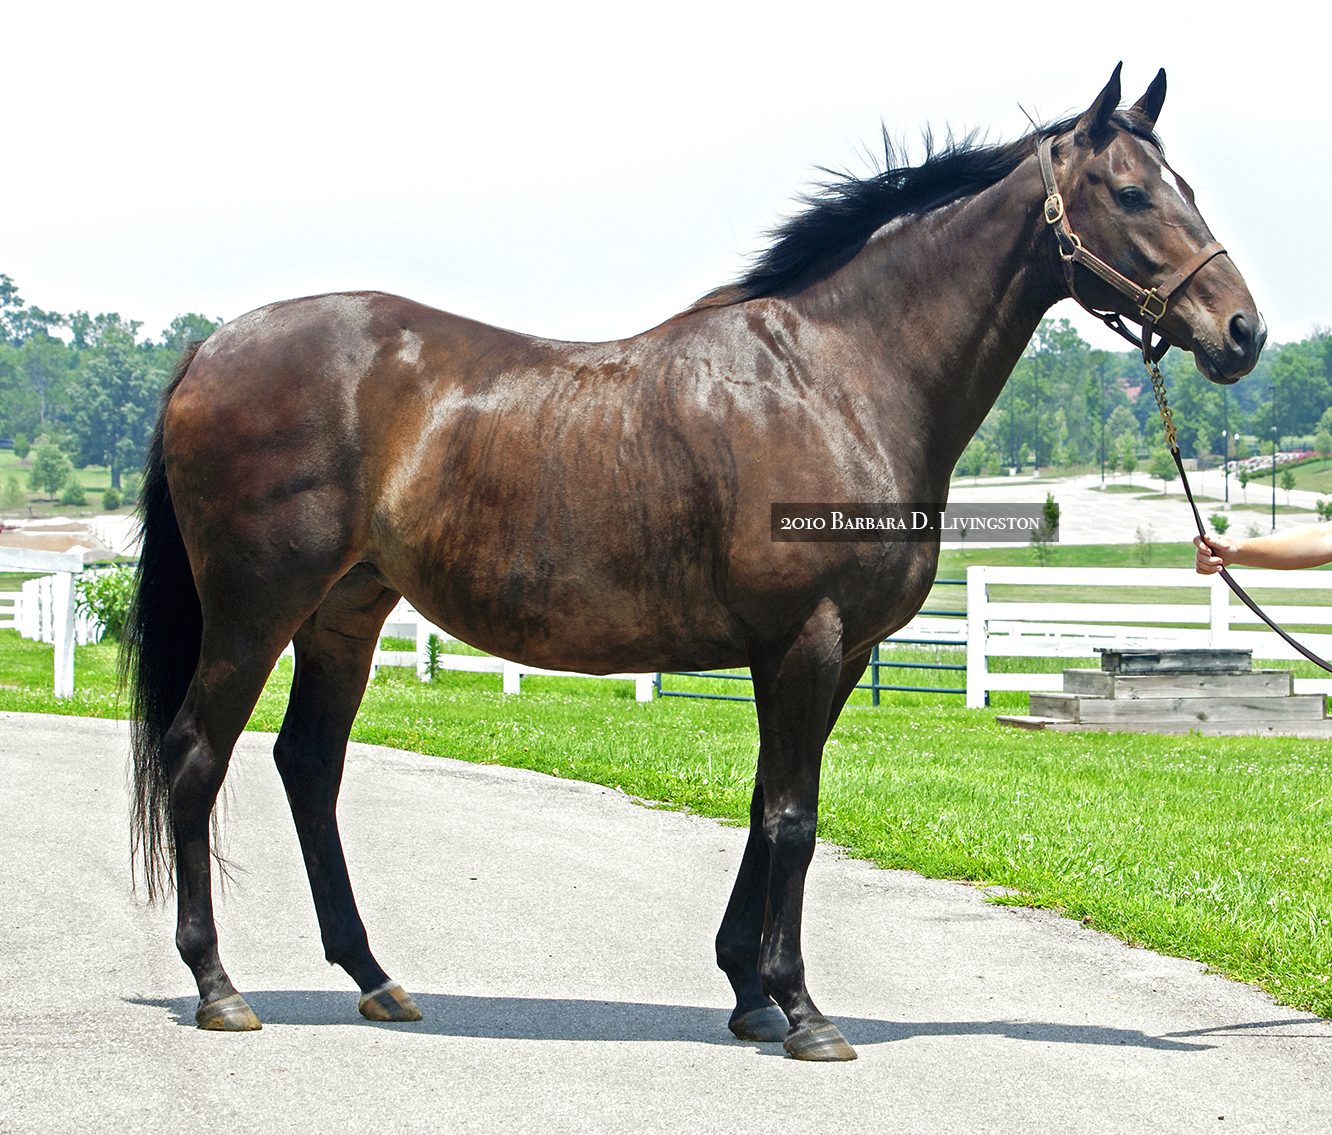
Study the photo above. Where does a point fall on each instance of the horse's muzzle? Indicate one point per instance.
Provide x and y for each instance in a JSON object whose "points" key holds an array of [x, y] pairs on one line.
{"points": [[1246, 334]]}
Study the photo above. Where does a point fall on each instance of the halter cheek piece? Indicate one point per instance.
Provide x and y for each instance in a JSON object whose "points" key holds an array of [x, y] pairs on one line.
{"points": [[1150, 302]]}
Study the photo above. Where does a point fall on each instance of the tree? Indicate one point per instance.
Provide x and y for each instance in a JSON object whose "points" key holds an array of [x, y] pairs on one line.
{"points": [[1128, 455], [1047, 533], [91, 330], [1244, 483], [187, 329], [50, 470], [1163, 466], [11, 306], [1323, 443], [1287, 481], [45, 362], [114, 399]]}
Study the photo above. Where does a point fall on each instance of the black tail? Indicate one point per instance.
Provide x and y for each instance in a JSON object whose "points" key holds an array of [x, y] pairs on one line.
{"points": [[159, 654]]}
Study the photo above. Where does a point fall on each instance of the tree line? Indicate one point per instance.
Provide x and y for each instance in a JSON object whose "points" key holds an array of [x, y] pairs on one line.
{"points": [[85, 384], [1067, 404]]}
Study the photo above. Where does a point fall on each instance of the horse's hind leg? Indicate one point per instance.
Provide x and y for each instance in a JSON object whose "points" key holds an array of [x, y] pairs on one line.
{"points": [[334, 651], [196, 751]]}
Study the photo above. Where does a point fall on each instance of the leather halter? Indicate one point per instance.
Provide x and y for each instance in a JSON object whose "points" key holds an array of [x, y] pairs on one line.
{"points": [[1150, 302]]}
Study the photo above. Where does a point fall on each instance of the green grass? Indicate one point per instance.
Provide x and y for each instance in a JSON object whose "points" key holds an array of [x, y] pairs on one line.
{"points": [[1315, 477], [1217, 849]]}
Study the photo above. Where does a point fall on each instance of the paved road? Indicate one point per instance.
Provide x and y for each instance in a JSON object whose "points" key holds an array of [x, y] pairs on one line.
{"points": [[1090, 516], [558, 938]]}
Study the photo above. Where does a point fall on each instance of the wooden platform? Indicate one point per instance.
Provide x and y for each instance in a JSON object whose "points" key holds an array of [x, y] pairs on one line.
{"points": [[1215, 693]]}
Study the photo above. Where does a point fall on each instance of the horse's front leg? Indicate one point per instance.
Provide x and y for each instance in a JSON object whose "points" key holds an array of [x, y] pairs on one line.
{"points": [[798, 692]]}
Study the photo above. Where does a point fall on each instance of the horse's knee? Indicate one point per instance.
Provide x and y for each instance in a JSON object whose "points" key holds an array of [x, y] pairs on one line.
{"points": [[790, 832]]}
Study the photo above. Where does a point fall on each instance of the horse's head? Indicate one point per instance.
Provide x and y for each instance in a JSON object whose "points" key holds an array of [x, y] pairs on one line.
{"points": [[1129, 210]]}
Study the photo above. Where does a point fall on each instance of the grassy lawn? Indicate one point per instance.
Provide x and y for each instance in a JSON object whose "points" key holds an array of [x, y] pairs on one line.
{"points": [[1217, 849], [1316, 477]]}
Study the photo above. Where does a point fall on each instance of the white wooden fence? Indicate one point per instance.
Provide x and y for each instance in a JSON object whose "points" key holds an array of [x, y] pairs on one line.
{"points": [[993, 628], [45, 607], [406, 622], [1046, 629]]}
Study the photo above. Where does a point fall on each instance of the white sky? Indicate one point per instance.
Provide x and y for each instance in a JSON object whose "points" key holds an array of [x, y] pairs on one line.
{"points": [[585, 170]]}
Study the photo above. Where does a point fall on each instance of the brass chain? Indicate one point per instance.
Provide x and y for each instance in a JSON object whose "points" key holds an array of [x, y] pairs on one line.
{"points": [[1167, 420]]}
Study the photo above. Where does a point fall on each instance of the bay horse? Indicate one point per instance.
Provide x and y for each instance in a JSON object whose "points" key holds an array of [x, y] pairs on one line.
{"points": [[606, 507]]}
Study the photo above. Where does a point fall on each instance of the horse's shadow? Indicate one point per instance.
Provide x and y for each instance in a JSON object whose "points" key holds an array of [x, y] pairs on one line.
{"points": [[557, 1018]]}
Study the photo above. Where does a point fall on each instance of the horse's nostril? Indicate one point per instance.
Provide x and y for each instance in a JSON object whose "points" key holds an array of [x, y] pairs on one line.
{"points": [[1240, 332]]}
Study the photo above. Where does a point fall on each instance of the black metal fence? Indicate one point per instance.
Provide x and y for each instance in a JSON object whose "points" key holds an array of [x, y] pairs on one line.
{"points": [[876, 664]]}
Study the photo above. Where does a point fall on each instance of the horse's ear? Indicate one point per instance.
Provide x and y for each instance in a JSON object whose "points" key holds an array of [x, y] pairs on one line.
{"points": [[1094, 123], [1148, 107]]}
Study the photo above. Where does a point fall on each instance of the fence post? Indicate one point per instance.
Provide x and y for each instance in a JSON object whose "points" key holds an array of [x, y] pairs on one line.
{"points": [[1220, 613], [645, 686], [513, 678], [62, 626], [30, 612], [46, 620], [976, 635]]}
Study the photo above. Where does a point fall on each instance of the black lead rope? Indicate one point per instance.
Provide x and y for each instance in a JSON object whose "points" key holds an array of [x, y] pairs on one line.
{"points": [[1158, 388]]}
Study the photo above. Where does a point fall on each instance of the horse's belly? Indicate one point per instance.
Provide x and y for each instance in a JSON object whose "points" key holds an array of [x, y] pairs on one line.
{"points": [[569, 625]]}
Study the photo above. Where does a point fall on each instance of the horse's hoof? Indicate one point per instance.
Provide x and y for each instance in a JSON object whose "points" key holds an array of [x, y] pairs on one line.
{"points": [[228, 1015], [389, 1002], [819, 1042], [765, 1023]]}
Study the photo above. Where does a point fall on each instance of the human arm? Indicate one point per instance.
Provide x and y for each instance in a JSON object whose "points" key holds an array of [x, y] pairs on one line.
{"points": [[1307, 546]]}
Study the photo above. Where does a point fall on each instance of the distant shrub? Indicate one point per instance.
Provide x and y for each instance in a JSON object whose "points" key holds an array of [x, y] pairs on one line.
{"points": [[21, 446], [111, 499], [73, 492], [14, 495], [1219, 523]]}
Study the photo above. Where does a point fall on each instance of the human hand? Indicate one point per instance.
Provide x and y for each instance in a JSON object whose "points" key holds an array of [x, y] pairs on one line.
{"points": [[1214, 553]]}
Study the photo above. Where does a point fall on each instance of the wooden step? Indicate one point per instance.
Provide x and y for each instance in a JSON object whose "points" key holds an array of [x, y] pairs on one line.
{"points": [[1304, 729], [1180, 684], [1150, 661], [1189, 712]]}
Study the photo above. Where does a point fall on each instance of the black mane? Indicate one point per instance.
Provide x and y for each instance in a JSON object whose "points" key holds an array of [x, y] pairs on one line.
{"points": [[846, 211]]}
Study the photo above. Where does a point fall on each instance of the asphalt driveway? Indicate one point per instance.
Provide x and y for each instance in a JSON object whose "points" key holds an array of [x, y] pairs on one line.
{"points": [[558, 937]]}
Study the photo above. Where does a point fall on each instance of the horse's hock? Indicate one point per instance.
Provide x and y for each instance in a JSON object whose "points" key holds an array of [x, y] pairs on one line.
{"points": [[1216, 692]]}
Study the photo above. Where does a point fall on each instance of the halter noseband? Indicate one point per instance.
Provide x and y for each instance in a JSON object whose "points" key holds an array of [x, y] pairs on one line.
{"points": [[1150, 302]]}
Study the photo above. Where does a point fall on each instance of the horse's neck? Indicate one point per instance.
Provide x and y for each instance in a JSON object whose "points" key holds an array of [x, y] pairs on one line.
{"points": [[948, 301]]}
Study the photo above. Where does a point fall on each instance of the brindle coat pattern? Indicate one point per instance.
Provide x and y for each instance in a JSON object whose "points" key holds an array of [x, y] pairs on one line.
{"points": [[605, 507]]}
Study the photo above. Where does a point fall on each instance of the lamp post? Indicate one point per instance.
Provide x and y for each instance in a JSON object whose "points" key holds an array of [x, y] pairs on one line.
{"points": [[1225, 443], [1274, 449]]}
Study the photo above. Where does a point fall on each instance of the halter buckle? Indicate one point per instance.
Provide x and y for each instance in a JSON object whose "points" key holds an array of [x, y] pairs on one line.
{"points": [[1145, 308], [1054, 209]]}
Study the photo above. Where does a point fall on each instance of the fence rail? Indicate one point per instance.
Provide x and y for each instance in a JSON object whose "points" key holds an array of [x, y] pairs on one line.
{"points": [[999, 628]]}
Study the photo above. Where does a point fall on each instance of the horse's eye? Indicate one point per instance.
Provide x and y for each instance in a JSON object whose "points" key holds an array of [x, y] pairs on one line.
{"points": [[1131, 197]]}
